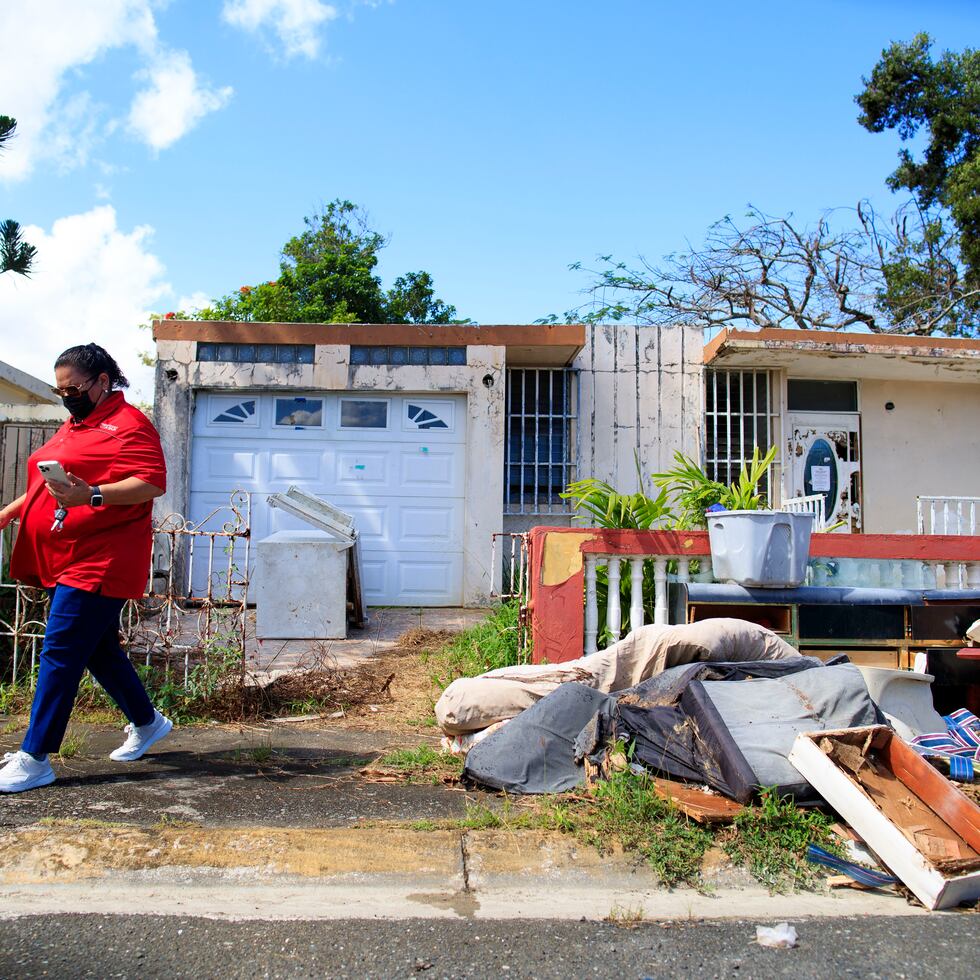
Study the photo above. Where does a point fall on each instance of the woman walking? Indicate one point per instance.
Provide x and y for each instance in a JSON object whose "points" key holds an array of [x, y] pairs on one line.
{"points": [[88, 542]]}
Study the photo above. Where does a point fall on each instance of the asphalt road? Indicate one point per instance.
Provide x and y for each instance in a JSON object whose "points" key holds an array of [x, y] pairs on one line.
{"points": [[141, 947]]}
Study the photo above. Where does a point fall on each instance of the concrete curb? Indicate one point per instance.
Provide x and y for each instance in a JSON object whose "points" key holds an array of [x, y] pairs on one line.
{"points": [[377, 872]]}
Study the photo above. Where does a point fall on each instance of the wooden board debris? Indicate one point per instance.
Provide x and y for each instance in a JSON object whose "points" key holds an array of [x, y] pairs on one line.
{"points": [[917, 822], [706, 808]]}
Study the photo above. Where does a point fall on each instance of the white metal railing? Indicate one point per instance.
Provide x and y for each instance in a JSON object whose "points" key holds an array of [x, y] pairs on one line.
{"points": [[509, 560], [885, 573], [812, 504], [947, 515], [614, 611]]}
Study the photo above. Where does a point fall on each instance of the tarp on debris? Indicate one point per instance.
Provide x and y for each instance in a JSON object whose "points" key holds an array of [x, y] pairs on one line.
{"points": [[535, 753], [472, 703]]}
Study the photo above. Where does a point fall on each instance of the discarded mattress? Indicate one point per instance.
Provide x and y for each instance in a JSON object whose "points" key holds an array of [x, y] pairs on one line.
{"points": [[472, 703], [729, 725]]}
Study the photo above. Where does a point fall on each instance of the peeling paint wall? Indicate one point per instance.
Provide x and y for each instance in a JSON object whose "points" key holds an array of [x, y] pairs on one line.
{"points": [[928, 444], [179, 377], [640, 396]]}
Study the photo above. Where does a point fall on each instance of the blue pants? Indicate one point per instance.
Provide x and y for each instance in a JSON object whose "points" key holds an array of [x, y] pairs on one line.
{"points": [[82, 631]]}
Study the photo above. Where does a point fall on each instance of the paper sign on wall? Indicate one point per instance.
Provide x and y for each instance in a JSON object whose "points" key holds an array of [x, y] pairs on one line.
{"points": [[820, 479]]}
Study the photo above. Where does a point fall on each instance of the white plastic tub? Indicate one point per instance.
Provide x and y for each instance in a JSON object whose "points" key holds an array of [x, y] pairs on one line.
{"points": [[760, 548]]}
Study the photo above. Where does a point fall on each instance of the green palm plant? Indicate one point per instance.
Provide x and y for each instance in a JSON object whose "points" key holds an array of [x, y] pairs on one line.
{"points": [[607, 508], [691, 490]]}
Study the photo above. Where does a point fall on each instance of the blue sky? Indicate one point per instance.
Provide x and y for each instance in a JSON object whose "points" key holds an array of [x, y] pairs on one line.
{"points": [[169, 149]]}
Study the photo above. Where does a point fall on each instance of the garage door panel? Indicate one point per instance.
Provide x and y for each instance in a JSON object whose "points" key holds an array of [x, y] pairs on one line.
{"points": [[432, 526], [432, 469], [363, 468], [217, 464], [374, 580], [297, 465], [427, 581], [373, 521]]}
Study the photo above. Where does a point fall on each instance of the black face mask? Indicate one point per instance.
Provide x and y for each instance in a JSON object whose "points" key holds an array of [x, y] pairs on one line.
{"points": [[80, 405]]}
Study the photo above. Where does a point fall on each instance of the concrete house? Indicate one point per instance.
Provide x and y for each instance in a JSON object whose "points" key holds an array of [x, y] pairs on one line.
{"points": [[434, 437], [23, 396]]}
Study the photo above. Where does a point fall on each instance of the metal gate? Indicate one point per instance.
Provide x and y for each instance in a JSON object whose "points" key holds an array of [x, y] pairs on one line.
{"points": [[174, 623]]}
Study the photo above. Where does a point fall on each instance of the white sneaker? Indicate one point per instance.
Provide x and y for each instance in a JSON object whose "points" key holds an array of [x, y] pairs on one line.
{"points": [[23, 771], [141, 738]]}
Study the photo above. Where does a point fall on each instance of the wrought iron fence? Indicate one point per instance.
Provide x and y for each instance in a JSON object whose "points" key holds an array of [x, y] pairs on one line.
{"points": [[196, 596]]}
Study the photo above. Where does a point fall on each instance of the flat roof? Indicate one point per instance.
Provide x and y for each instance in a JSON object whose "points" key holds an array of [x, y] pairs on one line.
{"points": [[529, 343], [853, 355], [35, 387]]}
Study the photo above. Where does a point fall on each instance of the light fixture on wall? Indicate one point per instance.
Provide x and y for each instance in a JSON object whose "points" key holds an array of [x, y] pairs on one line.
{"points": [[488, 381], [889, 406]]}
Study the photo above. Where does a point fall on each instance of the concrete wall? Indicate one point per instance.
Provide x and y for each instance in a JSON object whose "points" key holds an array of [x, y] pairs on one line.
{"points": [[928, 444], [640, 396], [179, 377], [11, 394]]}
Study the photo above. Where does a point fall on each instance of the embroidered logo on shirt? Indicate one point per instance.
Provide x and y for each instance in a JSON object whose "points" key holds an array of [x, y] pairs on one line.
{"points": [[108, 427]]}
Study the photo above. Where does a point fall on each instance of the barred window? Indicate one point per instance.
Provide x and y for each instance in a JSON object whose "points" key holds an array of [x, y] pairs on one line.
{"points": [[540, 451], [739, 409]]}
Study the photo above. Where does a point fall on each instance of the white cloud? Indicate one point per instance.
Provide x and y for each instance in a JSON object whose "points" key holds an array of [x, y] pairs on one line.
{"points": [[193, 303], [43, 46], [296, 22], [173, 103], [92, 282]]}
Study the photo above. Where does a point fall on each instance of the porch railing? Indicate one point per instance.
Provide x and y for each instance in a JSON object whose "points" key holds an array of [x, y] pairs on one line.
{"points": [[814, 504], [947, 515], [564, 563]]}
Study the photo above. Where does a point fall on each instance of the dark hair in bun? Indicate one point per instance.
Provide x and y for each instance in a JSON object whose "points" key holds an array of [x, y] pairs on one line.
{"points": [[93, 360]]}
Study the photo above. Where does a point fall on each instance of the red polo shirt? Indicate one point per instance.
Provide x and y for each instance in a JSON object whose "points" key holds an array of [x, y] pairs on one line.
{"points": [[100, 549]]}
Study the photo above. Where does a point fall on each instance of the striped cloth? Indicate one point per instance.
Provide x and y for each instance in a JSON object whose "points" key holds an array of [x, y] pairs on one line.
{"points": [[960, 744]]}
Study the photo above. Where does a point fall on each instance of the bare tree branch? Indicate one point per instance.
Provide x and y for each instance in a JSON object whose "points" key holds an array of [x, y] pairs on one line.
{"points": [[901, 275]]}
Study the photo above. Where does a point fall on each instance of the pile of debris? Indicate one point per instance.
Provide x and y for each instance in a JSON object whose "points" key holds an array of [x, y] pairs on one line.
{"points": [[723, 708]]}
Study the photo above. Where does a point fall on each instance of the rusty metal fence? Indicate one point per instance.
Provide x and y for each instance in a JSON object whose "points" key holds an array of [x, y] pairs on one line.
{"points": [[196, 597]]}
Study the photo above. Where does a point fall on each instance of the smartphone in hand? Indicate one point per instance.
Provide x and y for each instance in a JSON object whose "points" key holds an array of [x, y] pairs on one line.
{"points": [[52, 471]]}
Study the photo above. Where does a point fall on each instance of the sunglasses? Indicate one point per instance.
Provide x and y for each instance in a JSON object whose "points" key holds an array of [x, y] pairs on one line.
{"points": [[72, 391]]}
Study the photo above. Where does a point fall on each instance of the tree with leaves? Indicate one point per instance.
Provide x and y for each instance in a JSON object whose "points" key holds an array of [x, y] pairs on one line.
{"points": [[898, 275], [16, 255], [910, 92], [327, 275]]}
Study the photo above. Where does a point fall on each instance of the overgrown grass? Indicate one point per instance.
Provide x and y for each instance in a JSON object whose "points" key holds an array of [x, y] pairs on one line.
{"points": [[771, 838], [423, 764], [490, 644]]}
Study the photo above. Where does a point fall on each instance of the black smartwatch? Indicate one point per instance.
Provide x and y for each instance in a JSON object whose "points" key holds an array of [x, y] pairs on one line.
{"points": [[97, 499]]}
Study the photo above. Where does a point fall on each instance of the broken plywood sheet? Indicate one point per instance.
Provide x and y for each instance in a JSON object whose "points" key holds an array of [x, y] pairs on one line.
{"points": [[706, 808], [923, 829]]}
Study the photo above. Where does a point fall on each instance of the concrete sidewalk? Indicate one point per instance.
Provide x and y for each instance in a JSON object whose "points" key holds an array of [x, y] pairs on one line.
{"points": [[386, 624], [276, 822]]}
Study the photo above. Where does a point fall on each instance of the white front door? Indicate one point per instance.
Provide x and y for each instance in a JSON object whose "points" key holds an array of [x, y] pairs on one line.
{"points": [[824, 452], [393, 461]]}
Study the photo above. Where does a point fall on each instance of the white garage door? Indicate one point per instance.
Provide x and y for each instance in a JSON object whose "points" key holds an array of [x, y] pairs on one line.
{"points": [[393, 461]]}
